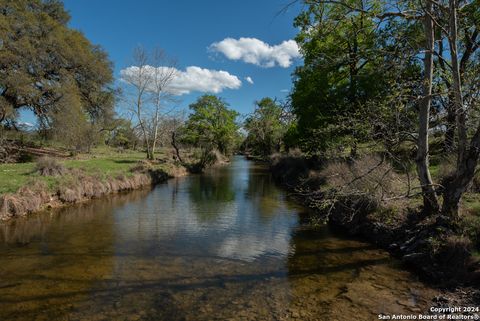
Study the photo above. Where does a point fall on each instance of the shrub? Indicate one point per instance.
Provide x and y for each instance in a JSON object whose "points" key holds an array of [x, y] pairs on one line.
{"points": [[369, 175], [48, 166], [142, 166], [202, 158], [290, 170]]}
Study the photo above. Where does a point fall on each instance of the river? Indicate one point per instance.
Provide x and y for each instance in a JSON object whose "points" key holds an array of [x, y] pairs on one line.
{"points": [[224, 245]]}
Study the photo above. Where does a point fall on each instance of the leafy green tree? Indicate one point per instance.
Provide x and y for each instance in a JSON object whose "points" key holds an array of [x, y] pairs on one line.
{"points": [[212, 125], [342, 71], [123, 134], [265, 127], [347, 41], [69, 123], [40, 54]]}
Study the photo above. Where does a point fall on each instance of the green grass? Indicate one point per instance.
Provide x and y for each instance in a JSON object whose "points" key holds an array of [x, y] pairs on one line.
{"points": [[101, 162], [14, 176], [471, 201]]}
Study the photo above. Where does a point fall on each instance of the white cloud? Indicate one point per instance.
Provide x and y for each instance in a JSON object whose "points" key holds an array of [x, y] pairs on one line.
{"points": [[192, 79], [249, 80], [25, 124], [257, 52], [284, 90]]}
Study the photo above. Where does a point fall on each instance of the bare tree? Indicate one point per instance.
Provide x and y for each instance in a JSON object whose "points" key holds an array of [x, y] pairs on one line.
{"points": [[164, 72], [150, 77], [139, 78]]}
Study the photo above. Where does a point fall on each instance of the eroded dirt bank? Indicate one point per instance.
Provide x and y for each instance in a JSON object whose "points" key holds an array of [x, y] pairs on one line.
{"points": [[37, 196]]}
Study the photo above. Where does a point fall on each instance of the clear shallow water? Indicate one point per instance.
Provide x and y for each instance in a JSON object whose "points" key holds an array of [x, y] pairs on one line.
{"points": [[225, 245]]}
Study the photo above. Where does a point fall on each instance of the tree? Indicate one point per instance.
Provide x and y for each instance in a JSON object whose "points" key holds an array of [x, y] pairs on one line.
{"points": [[468, 149], [212, 125], [122, 134], [40, 54], [266, 127], [69, 123], [465, 25], [430, 202], [149, 79], [163, 74], [454, 23], [342, 71]]}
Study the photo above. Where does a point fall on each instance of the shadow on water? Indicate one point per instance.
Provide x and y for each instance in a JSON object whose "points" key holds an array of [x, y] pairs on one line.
{"points": [[225, 245]]}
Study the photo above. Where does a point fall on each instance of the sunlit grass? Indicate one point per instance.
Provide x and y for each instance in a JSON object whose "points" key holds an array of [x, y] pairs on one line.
{"points": [[13, 176], [101, 162]]}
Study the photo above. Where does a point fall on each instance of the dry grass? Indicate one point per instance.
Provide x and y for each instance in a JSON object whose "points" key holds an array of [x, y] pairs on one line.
{"points": [[28, 199], [76, 180], [83, 187], [369, 175], [48, 166], [142, 166]]}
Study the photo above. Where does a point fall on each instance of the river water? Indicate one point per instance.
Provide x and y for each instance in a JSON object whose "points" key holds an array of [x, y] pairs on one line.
{"points": [[224, 245]]}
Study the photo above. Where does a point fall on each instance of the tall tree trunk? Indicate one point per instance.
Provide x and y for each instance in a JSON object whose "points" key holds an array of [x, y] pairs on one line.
{"points": [[451, 118], [466, 159], [142, 125], [450, 123], [430, 201], [458, 184], [155, 129], [457, 84], [174, 144]]}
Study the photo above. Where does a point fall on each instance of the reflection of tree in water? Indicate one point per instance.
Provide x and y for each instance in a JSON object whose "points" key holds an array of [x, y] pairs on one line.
{"points": [[35, 227], [263, 193], [210, 194]]}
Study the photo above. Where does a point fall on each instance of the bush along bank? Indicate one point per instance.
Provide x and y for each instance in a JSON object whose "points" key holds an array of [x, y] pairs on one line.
{"points": [[76, 186], [368, 198]]}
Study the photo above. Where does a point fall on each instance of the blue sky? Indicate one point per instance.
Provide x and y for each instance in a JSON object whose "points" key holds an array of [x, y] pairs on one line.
{"points": [[186, 29]]}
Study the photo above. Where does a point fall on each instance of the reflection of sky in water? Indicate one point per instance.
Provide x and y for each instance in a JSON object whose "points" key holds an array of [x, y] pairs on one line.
{"points": [[232, 212], [206, 247]]}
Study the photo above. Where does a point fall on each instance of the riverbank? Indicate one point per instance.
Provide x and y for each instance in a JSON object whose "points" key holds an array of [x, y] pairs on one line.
{"points": [[25, 189], [440, 255], [227, 244]]}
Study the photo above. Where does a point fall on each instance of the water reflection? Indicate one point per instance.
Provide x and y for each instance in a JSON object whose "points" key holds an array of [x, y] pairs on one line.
{"points": [[218, 213], [219, 246], [34, 228]]}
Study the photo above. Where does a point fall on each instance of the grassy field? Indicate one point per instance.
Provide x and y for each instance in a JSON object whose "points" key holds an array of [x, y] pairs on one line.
{"points": [[102, 162]]}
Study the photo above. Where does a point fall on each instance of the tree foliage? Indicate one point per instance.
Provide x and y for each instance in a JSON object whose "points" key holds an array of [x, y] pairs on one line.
{"points": [[399, 71], [40, 56], [266, 127], [349, 63], [212, 125], [123, 134]]}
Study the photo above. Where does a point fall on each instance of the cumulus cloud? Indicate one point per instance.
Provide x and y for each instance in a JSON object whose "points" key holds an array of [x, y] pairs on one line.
{"points": [[184, 82], [249, 80], [257, 52], [25, 124]]}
